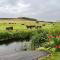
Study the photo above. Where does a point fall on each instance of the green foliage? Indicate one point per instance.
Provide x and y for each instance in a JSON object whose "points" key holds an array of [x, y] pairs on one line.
{"points": [[5, 35], [9, 36], [22, 35], [38, 38]]}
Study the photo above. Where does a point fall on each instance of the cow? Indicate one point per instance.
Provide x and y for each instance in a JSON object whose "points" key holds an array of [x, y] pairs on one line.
{"points": [[37, 21], [9, 28], [22, 24], [9, 23], [38, 27], [30, 27], [43, 25]]}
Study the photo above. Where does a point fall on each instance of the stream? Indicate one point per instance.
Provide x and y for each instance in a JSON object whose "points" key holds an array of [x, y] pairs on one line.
{"points": [[20, 51], [14, 47]]}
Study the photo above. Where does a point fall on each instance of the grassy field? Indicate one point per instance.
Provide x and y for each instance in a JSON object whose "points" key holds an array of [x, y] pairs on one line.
{"points": [[48, 35], [19, 24], [15, 26], [19, 28]]}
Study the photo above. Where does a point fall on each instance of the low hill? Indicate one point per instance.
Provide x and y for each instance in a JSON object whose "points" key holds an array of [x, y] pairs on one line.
{"points": [[25, 18]]}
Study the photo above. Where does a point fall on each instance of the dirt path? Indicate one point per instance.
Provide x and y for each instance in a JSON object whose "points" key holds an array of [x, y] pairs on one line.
{"points": [[23, 55]]}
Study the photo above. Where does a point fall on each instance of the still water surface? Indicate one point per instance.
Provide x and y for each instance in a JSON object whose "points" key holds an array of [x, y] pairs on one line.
{"points": [[14, 47]]}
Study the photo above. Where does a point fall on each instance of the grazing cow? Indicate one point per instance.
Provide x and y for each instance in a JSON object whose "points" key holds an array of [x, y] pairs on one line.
{"points": [[9, 28], [9, 23], [38, 27], [12, 23], [43, 25], [22, 24], [30, 27], [37, 21]]}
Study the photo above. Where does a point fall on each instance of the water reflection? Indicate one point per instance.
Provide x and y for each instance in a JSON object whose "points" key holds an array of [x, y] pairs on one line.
{"points": [[14, 47]]}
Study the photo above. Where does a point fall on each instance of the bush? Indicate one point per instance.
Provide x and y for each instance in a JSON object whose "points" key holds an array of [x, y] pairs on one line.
{"points": [[38, 38]]}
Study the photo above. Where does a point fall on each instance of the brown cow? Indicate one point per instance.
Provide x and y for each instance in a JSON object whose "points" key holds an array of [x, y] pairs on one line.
{"points": [[38, 26], [22, 24], [9, 28], [30, 27]]}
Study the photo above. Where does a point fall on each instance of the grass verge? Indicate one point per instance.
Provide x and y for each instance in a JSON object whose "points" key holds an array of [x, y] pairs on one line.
{"points": [[54, 56]]}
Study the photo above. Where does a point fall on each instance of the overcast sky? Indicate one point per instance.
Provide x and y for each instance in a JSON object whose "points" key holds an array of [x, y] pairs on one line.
{"points": [[43, 9]]}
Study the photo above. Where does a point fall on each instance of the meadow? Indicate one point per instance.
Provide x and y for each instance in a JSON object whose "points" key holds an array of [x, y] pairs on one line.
{"points": [[42, 35]]}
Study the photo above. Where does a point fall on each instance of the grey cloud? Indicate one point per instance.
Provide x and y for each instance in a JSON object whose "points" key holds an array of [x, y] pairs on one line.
{"points": [[48, 9], [45, 9], [9, 9]]}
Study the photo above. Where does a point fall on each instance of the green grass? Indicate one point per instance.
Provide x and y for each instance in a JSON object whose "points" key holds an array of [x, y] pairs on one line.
{"points": [[15, 26], [55, 56], [18, 26]]}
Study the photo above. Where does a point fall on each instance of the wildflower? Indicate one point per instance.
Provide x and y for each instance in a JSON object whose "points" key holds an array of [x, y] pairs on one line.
{"points": [[58, 37], [58, 46], [50, 37]]}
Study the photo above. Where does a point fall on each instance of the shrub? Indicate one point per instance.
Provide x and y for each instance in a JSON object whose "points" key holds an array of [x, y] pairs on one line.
{"points": [[38, 38]]}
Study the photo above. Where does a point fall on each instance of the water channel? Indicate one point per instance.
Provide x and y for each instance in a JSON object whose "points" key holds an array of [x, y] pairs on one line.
{"points": [[14, 47]]}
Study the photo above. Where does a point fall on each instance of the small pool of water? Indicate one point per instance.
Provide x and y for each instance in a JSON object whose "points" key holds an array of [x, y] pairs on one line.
{"points": [[14, 47]]}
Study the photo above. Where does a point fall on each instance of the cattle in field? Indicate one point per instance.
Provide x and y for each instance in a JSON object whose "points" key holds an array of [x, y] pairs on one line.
{"points": [[37, 21], [43, 25], [30, 27], [9, 23], [12, 23], [9, 28], [22, 24], [38, 27]]}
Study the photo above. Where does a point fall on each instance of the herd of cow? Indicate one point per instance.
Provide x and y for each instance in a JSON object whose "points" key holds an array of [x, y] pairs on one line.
{"points": [[30, 27], [27, 26]]}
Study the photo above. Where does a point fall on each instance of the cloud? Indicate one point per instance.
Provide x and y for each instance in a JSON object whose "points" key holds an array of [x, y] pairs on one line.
{"points": [[12, 8], [45, 9]]}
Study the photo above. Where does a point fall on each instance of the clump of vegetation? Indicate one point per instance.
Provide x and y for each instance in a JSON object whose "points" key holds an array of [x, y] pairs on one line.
{"points": [[39, 37], [9, 36]]}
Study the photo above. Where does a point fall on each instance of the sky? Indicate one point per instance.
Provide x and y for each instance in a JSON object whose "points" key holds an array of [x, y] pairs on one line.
{"points": [[41, 9]]}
